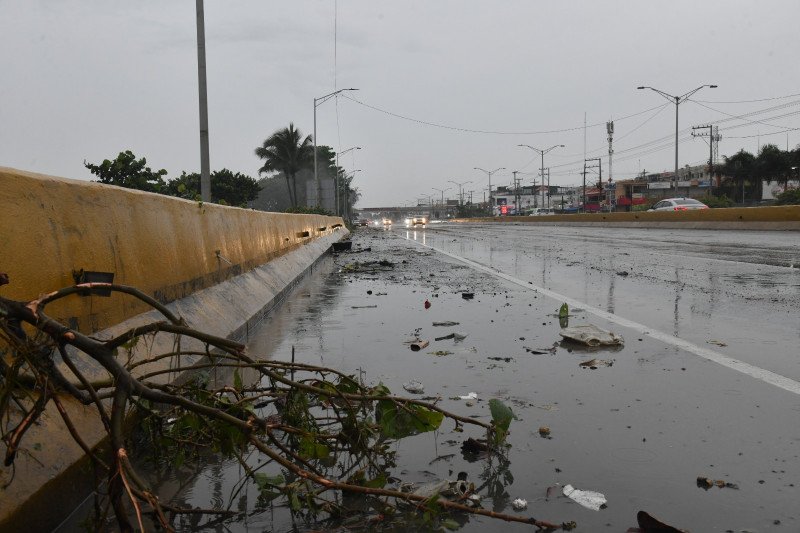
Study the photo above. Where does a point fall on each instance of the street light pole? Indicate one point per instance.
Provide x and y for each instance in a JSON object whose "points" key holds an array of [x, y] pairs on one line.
{"points": [[460, 190], [205, 166], [336, 176], [321, 100], [677, 100], [489, 173], [541, 152]]}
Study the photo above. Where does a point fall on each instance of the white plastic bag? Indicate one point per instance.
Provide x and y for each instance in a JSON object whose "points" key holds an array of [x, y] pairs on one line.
{"points": [[588, 498]]}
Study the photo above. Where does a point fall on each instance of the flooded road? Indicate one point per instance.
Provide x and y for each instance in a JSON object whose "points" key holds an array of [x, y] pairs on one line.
{"points": [[640, 425]]}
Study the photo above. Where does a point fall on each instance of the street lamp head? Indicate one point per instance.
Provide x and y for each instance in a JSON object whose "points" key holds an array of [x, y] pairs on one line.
{"points": [[713, 86], [642, 87], [562, 146]]}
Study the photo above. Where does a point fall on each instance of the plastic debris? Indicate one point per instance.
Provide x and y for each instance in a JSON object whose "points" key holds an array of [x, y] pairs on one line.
{"points": [[591, 335], [587, 498], [414, 387], [458, 337], [444, 338], [706, 483], [544, 431], [445, 324], [717, 343], [519, 504], [427, 304], [470, 396], [468, 295], [418, 345], [594, 363]]}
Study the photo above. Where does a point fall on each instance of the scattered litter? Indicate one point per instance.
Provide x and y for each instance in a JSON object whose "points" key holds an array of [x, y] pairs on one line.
{"points": [[623, 273], [458, 337], [587, 498], [594, 363], [706, 483], [442, 458], [381, 293], [468, 295], [414, 387], [363, 306], [541, 351], [552, 491], [519, 504], [650, 524], [418, 345], [342, 246], [474, 446], [451, 336], [440, 353], [591, 335], [427, 304], [718, 343], [544, 431], [445, 324], [470, 396], [504, 359], [474, 499]]}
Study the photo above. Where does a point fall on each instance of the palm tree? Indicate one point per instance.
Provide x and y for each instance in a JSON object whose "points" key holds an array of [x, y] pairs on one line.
{"points": [[286, 151]]}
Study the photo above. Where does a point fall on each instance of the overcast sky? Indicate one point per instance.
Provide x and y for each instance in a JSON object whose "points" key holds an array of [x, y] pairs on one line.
{"points": [[84, 80]]}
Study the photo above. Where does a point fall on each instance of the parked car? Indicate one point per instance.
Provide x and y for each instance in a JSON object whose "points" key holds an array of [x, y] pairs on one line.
{"points": [[678, 204], [540, 211]]}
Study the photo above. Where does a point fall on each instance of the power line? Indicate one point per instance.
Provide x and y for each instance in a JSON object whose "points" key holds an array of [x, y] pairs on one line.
{"points": [[488, 132], [747, 101]]}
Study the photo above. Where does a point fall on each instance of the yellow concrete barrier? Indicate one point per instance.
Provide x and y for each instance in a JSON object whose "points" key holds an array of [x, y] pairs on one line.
{"points": [[52, 228]]}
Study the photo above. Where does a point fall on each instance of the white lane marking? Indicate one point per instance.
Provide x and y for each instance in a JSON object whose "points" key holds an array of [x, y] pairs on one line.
{"points": [[766, 376]]}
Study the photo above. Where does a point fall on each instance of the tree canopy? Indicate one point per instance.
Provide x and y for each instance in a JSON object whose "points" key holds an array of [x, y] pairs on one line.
{"points": [[127, 171], [286, 151]]}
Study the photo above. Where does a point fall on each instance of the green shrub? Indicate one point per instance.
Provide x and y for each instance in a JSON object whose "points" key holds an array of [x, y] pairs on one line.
{"points": [[716, 201], [307, 210], [790, 197]]}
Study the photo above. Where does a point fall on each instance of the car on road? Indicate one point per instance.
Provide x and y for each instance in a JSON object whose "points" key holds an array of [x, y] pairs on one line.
{"points": [[361, 222], [386, 221], [417, 220], [678, 204]]}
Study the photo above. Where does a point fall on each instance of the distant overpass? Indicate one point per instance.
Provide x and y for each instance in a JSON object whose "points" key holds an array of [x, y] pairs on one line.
{"points": [[437, 211]]}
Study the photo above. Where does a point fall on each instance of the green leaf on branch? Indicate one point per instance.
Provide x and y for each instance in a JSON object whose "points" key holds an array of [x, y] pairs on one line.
{"points": [[237, 380], [398, 421], [311, 449], [501, 418]]}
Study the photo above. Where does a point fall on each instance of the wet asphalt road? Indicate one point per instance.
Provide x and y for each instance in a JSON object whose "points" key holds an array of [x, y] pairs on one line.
{"points": [[640, 430]]}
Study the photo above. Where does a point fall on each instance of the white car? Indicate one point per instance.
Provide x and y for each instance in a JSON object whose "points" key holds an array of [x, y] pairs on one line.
{"points": [[678, 204]]}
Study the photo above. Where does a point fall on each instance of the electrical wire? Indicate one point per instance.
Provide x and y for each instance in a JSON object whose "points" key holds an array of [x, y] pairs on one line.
{"points": [[747, 101], [488, 132]]}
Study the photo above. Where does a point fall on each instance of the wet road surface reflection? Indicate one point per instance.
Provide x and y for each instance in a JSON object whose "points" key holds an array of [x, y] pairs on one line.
{"points": [[640, 429]]}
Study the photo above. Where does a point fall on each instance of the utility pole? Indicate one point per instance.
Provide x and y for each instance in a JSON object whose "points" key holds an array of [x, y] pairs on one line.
{"points": [[548, 187], [598, 166], [610, 130], [205, 166], [713, 145]]}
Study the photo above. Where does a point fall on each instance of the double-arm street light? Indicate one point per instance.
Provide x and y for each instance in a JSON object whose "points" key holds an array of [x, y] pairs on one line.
{"points": [[489, 173], [542, 151], [336, 176], [460, 189], [441, 191], [677, 100], [317, 102]]}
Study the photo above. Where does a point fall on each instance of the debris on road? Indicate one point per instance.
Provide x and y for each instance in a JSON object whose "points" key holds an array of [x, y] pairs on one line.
{"points": [[445, 324], [706, 483], [544, 432], [450, 336], [475, 446], [623, 273], [594, 363], [542, 351], [504, 359], [591, 335], [441, 353], [418, 345], [650, 524], [587, 498], [468, 295], [470, 396], [519, 504], [414, 387], [718, 343]]}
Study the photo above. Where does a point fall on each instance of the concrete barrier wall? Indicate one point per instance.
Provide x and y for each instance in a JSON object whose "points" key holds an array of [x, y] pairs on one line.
{"points": [[167, 247], [164, 246], [785, 217]]}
